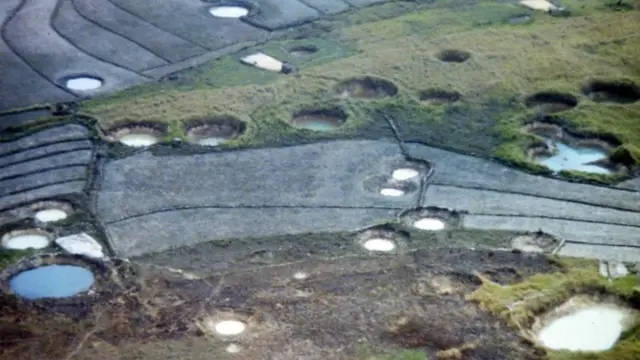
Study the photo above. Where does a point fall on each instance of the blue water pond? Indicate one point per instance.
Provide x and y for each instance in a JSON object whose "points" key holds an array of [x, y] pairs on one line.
{"points": [[574, 158], [52, 281]]}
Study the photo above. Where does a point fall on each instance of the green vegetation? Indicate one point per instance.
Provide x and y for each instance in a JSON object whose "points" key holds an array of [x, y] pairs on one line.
{"points": [[518, 304], [508, 62], [400, 355], [10, 257]]}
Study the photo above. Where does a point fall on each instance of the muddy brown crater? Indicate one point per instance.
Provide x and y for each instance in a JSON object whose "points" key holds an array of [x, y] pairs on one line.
{"points": [[453, 55], [366, 87], [622, 92]]}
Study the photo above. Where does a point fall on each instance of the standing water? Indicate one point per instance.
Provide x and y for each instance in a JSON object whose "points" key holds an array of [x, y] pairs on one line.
{"points": [[318, 126], [22, 240], [51, 281], [138, 140], [212, 141], [50, 215], [83, 83], [595, 328], [574, 158], [316, 122]]}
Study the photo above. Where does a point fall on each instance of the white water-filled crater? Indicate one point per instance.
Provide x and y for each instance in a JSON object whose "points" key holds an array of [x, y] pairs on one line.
{"points": [[427, 223], [26, 239], [392, 192], [50, 215], [83, 83], [138, 140], [403, 174], [212, 141], [586, 325], [230, 327], [379, 244], [230, 12]]}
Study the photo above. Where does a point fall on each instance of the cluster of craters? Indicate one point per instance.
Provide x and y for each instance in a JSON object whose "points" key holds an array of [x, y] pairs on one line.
{"points": [[563, 149]]}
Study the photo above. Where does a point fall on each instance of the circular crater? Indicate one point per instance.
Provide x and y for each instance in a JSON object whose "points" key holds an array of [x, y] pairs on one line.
{"points": [[389, 186], [560, 150], [432, 219], [620, 5], [382, 240], [231, 324], [429, 224], [138, 134], [402, 174], [27, 239], [537, 242], [51, 281], [50, 215], [319, 119], [520, 19], [391, 191], [395, 188], [230, 327], [214, 132], [303, 50], [622, 92], [585, 323], [83, 83], [379, 244], [551, 102], [366, 88], [51, 211], [453, 55], [228, 11], [439, 96]]}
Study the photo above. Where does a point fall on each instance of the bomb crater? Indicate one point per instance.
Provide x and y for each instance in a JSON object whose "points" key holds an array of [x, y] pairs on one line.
{"points": [[453, 55], [621, 92], [367, 87]]}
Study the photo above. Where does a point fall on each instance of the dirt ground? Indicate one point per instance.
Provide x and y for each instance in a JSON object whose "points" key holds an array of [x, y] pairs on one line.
{"points": [[344, 309]]}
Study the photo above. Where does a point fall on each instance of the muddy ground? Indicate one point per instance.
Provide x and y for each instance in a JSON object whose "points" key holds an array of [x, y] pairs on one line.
{"points": [[346, 308]]}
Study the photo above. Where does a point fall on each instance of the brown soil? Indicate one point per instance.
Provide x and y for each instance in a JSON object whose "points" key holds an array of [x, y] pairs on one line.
{"points": [[439, 97], [452, 55], [623, 92], [345, 305], [222, 127], [551, 102], [366, 88]]}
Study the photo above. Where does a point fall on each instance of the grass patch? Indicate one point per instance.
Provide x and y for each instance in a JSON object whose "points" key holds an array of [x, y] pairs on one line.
{"points": [[9, 257], [227, 72], [518, 304], [507, 63]]}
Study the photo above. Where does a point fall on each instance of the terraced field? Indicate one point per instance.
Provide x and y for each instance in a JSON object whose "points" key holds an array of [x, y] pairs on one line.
{"points": [[386, 195]]}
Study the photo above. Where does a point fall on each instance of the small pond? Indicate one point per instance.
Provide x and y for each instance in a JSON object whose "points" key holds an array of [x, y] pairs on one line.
{"points": [[316, 122], [595, 328], [432, 224], [52, 281], [27, 240], [138, 140], [212, 141], [574, 158]]}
